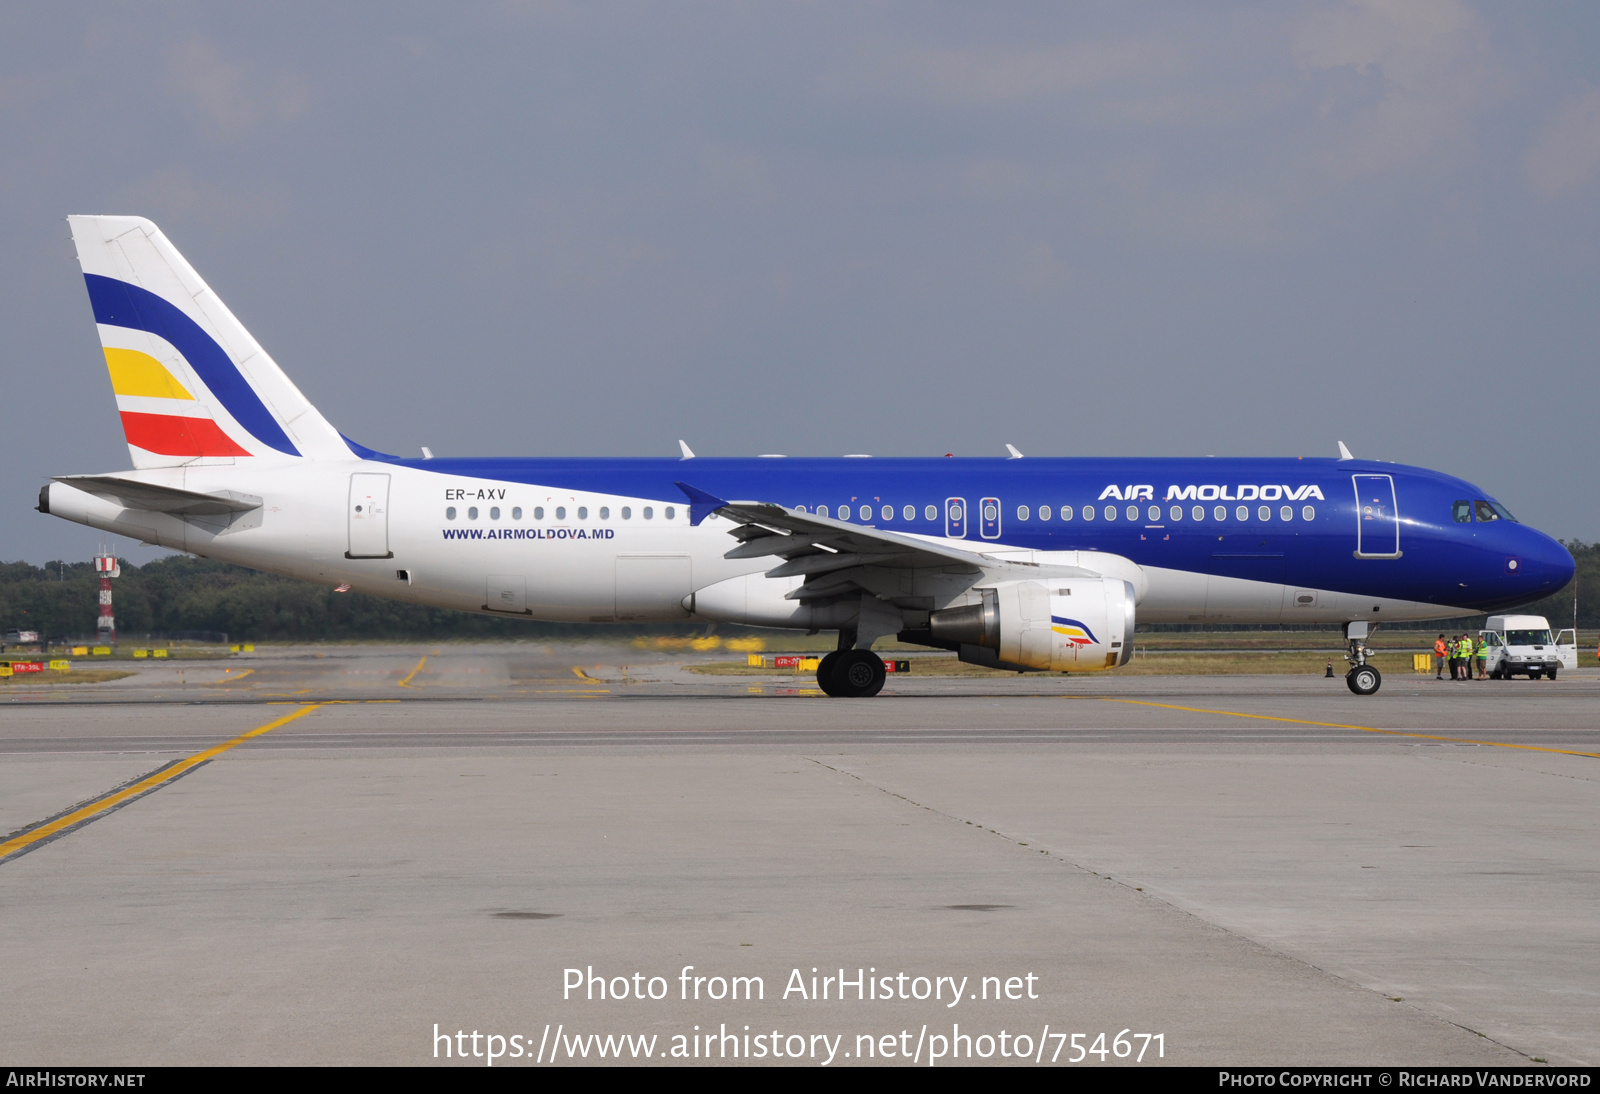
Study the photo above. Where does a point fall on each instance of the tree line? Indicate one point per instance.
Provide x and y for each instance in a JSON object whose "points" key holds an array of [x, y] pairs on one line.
{"points": [[181, 594]]}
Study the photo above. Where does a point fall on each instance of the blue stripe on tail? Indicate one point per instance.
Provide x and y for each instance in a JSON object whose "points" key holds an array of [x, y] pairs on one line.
{"points": [[119, 304]]}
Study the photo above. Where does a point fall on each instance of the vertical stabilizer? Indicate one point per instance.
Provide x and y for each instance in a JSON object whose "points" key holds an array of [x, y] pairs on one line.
{"points": [[192, 385]]}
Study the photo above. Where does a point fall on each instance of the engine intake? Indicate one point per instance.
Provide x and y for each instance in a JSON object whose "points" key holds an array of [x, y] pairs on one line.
{"points": [[1076, 624]]}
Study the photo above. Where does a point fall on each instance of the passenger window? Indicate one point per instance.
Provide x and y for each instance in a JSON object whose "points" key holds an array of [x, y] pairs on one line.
{"points": [[472, 513], [1198, 512], [799, 508], [1264, 513], [1022, 512], [1111, 512], [909, 512], [1133, 512], [1462, 511], [1154, 512], [1088, 512], [516, 512], [1242, 513], [450, 513], [605, 512], [822, 510], [538, 512], [494, 512], [931, 513], [672, 514], [1177, 512], [627, 513], [1044, 512], [1483, 512], [1309, 512], [844, 512], [583, 512], [866, 512], [888, 512], [1286, 513], [561, 512], [1220, 512], [649, 513]]}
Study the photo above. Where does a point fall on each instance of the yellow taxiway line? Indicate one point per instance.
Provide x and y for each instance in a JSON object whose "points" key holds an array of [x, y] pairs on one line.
{"points": [[1360, 729], [228, 679], [405, 681], [91, 811]]}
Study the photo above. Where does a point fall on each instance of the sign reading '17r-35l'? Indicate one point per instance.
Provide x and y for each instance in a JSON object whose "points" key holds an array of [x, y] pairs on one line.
{"points": [[1016, 563]]}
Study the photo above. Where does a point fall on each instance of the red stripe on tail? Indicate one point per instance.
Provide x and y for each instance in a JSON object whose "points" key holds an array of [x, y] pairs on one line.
{"points": [[170, 435]]}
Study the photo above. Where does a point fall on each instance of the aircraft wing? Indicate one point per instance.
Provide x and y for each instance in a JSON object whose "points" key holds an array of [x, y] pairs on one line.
{"points": [[836, 556], [131, 494]]}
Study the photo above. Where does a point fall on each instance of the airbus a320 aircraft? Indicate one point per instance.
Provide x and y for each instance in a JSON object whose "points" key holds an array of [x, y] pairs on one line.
{"points": [[1015, 563]]}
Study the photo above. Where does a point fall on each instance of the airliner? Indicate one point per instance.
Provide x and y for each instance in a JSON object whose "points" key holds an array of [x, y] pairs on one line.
{"points": [[1012, 562]]}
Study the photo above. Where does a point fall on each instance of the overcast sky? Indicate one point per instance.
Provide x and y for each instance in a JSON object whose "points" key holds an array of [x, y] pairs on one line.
{"points": [[904, 229]]}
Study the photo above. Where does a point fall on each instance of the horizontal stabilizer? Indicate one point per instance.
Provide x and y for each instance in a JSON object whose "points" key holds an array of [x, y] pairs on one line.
{"points": [[161, 499]]}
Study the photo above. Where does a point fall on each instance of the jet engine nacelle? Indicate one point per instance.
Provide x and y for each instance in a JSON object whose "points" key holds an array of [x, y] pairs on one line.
{"points": [[1058, 625]]}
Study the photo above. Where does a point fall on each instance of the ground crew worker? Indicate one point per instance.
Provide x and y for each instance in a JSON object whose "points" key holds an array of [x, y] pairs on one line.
{"points": [[1466, 657], [1480, 652], [1440, 650]]}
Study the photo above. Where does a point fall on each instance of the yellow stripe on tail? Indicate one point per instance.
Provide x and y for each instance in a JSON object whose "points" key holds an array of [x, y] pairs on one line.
{"points": [[135, 373]]}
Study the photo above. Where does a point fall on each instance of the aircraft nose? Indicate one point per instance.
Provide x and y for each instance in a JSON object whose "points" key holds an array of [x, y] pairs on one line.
{"points": [[1544, 565]]}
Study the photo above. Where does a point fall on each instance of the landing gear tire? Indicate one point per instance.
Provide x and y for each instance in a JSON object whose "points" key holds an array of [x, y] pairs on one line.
{"points": [[825, 669], [858, 674], [1364, 680]]}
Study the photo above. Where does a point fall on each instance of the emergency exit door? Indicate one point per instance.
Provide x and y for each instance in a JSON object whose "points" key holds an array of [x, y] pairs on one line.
{"points": [[368, 515], [955, 518], [1377, 521]]}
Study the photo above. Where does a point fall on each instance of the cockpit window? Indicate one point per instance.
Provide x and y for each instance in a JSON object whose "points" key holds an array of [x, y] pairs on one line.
{"points": [[1505, 514], [1484, 512], [1462, 511]]}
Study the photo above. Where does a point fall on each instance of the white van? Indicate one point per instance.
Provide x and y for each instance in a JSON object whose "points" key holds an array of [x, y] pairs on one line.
{"points": [[1520, 645]]}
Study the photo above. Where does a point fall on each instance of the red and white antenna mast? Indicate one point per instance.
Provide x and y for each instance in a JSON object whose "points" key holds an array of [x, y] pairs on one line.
{"points": [[106, 564]]}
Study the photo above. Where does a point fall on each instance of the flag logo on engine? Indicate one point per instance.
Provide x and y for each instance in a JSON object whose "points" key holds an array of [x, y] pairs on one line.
{"points": [[1079, 634]]}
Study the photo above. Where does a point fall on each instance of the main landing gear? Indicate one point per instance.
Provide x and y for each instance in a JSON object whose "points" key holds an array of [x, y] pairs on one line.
{"points": [[1362, 679], [851, 674]]}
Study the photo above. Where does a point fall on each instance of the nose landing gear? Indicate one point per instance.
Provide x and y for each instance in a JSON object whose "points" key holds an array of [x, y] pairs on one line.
{"points": [[1362, 679]]}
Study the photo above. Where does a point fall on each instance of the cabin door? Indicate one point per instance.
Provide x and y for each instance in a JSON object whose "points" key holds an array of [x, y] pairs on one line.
{"points": [[368, 514], [1377, 522]]}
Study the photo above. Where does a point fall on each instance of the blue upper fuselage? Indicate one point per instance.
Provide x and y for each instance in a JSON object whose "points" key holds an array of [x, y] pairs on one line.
{"points": [[1287, 521]]}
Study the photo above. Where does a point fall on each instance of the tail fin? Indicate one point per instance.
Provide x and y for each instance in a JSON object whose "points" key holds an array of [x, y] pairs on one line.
{"points": [[192, 386]]}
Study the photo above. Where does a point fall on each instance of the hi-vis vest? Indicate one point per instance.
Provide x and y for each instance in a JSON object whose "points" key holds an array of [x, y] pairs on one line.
{"points": [[1439, 648]]}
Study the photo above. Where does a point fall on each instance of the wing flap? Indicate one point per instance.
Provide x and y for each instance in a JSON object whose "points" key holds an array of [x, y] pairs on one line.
{"points": [[802, 533]]}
